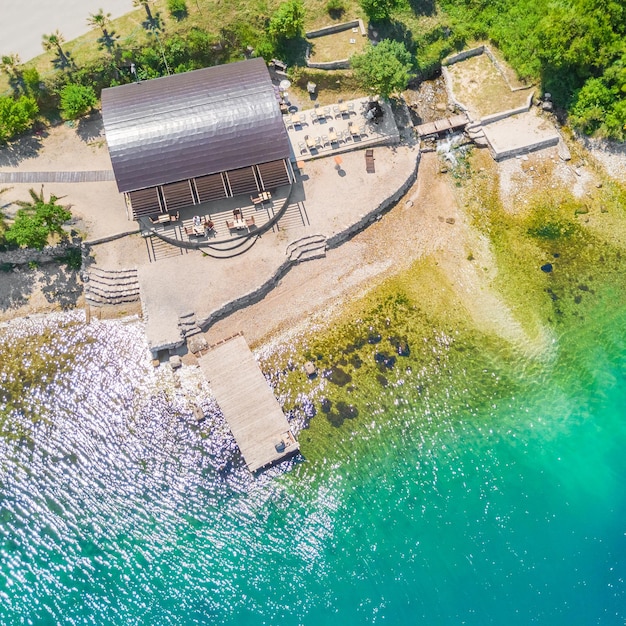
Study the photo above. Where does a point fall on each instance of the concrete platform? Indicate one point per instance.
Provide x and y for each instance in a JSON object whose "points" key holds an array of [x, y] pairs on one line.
{"points": [[518, 134]]}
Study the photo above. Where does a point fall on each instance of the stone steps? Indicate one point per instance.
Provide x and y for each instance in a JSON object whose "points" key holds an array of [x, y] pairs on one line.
{"points": [[307, 248], [111, 286]]}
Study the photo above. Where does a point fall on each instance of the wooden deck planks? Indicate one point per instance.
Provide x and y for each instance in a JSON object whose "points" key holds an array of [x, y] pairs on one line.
{"points": [[85, 176], [249, 406]]}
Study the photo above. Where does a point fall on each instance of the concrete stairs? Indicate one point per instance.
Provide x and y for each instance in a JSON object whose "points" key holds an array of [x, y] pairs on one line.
{"points": [[307, 248], [104, 287], [191, 332], [476, 133]]}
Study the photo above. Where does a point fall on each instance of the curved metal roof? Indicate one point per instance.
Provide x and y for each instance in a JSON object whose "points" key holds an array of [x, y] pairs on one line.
{"points": [[186, 125]]}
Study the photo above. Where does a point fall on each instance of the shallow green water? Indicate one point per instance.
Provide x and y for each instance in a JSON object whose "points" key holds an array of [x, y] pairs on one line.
{"points": [[475, 486]]}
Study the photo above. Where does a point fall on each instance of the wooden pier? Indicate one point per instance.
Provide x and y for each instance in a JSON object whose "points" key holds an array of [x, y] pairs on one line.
{"points": [[255, 418], [456, 122]]}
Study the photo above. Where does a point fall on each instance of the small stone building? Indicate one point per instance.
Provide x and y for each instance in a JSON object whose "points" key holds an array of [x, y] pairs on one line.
{"points": [[195, 137]]}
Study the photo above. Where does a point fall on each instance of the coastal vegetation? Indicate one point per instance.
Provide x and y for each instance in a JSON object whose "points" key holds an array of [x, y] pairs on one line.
{"points": [[576, 51], [36, 221]]}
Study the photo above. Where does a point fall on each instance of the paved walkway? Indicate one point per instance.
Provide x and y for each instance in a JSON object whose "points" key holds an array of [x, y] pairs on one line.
{"points": [[89, 176]]}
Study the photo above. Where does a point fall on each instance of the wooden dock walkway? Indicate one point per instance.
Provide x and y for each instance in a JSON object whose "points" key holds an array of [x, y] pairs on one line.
{"points": [[255, 418], [82, 176], [441, 126]]}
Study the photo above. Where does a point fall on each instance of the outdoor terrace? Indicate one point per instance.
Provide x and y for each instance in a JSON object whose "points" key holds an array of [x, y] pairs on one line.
{"points": [[255, 216], [342, 127]]}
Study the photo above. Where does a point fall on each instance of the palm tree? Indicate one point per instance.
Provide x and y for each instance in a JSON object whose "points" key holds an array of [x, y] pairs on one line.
{"points": [[54, 42], [100, 20], [103, 21], [11, 65]]}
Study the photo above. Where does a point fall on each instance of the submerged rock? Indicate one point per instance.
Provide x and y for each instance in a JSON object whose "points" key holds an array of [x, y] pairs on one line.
{"points": [[338, 376], [347, 411], [401, 345], [327, 405]]}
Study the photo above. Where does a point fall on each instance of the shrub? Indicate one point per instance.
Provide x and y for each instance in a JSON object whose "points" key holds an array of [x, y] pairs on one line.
{"points": [[288, 21], [76, 100], [385, 68], [379, 10], [335, 8], [177, 9], [36, 220], [16, 116]]}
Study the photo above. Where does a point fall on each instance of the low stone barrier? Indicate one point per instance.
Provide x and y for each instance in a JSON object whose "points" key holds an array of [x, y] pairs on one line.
{"points": [[337, 28], [496, 117], [448, 84], [372, 216], [95, 242], [464, 54], [342, 64], [531, 147], [24, 256]]}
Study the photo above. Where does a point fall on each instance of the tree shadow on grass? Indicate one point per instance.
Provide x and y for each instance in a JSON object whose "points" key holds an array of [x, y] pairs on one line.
{"points": [[293, 51], [422, 7], [25, 147], [393, 30]]}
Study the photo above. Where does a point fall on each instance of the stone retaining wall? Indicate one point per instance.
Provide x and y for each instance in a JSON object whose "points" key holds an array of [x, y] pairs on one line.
{"points": [[464, 54], [495, 117], [448, 84], [337, 28], [24, 256], [95, 242], [341, 64], [373, 215], [472, 52], [531, 147]]}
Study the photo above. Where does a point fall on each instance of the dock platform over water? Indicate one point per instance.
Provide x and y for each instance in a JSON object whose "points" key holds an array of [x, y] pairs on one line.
{"points": [[255, 418]]}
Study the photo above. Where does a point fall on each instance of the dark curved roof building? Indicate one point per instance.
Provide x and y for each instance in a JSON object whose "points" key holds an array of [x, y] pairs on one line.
{"points": [[198, 136]]}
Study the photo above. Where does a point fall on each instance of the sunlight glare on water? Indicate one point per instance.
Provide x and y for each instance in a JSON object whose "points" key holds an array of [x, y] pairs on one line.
{"points": [[122, 508]]}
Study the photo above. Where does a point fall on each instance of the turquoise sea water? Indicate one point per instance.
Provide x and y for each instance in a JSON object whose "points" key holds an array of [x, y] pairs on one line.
{"points": [[511, 510]]}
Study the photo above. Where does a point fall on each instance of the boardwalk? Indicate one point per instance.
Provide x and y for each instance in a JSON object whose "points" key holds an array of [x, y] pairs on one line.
{"points": [[441, 126], [257, 422], [89, 176]]}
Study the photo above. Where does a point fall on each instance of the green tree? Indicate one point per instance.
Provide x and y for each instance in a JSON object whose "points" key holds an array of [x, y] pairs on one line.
{"points": [[36, 220], [379, 10], [76, 100], [55, 42], [384, 68], [288, 21], [16, 116]]}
